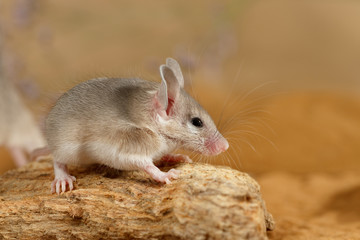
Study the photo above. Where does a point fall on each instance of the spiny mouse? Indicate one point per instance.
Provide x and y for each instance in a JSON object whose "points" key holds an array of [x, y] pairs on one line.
{"points": [[18, 129], [128, 124]]}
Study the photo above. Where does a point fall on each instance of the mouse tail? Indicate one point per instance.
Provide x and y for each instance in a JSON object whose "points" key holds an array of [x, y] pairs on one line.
{"points": [[37, 153]]}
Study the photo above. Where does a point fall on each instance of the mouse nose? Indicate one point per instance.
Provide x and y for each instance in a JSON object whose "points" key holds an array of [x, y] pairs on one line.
{"points": [[223, 145], [216, 146]]}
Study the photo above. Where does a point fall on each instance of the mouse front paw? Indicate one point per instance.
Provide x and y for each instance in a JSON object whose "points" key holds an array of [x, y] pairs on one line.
{"points": [[171, 174], [163, 177], [62, 182]]}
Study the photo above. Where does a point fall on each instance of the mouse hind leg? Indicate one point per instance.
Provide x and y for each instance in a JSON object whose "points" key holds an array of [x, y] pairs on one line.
{"points": [[62, 178]]}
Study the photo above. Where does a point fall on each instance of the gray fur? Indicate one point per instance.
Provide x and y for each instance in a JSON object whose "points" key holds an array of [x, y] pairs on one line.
{"points": [[120, 112], [127, 124]]}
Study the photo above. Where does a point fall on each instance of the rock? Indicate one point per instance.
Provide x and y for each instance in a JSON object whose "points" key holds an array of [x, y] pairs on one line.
{"points": [[206, 202]]}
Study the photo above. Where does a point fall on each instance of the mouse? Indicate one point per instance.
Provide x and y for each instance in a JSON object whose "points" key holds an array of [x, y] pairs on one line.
{"points": [[19, 131], [128, 124]]}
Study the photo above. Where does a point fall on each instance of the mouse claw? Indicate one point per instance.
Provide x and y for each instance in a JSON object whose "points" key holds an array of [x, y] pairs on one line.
{"points": [[167, 181], [171, 174], [174, 173], [59, 184], [63, 186], [71, 186], [159, 176]]}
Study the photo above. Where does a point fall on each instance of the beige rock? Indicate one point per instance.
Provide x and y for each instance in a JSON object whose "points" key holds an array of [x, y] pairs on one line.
{"points": [[206, 202]]}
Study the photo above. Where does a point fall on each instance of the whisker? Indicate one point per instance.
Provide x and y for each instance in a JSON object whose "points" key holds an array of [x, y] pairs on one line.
{"points": [[263, 98], [248, 123], [238, 115], [263, 137], [249, 144], [237, 154], [231, 91], [232, 161], [193, 93], [256, 88]]}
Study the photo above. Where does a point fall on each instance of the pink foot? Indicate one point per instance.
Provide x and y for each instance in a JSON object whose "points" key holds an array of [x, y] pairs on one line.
{"points": [[62, 178], [160, 176], [62, 182], [176, 158]]}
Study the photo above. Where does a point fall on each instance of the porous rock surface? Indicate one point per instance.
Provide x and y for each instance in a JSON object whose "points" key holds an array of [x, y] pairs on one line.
{"points": [[206, 202]]}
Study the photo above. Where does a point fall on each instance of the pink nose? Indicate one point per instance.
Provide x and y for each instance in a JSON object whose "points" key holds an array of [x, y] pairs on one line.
{"points": [[223, 145], [217, 147]]}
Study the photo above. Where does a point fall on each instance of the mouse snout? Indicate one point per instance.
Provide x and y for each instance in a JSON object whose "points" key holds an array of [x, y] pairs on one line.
{"points": [[217, 146], [223, 145]]}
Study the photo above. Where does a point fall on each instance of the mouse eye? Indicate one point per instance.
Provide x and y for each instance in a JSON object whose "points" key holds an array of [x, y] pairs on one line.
{"points": [[197, 122]]}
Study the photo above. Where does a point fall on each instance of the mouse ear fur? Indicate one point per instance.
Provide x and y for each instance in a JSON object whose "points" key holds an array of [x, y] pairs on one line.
{"points": [[174, 65], [162, 93], [169, 88]]}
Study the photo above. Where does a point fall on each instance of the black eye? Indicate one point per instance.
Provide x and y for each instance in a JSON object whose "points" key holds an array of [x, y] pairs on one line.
{"points": [[197, 122]]}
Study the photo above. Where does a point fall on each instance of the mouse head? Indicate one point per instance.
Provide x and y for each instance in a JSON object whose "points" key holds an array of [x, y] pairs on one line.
{"points": [[181, 118]]}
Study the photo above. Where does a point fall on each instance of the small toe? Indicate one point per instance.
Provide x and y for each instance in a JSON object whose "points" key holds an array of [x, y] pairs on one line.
{"points": [[58, 187], [71, 186], [73, 178], [167, 181], [174, 171], [63, 186], [173, 174]]}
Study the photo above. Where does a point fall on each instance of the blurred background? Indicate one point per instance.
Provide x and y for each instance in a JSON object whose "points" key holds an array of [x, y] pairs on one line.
{"points": [[281, 77]]}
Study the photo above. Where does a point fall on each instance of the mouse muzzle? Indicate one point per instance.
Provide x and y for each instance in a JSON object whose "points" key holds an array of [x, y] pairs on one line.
{"points": [[216, 145]]}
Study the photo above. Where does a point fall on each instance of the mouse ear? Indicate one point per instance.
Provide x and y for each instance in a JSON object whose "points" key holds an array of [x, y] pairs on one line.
{"points": [[172, 84], [175, 67], [169, 89], [162, 95]]}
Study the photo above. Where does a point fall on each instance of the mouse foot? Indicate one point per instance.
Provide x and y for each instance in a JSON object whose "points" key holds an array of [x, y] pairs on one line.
{"points": [[62, 179], [176, 158], [161, 176], [62, 182]]}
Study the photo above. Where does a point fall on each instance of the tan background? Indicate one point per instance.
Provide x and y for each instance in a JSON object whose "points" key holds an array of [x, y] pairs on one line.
{"points": [[287, 72]]}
